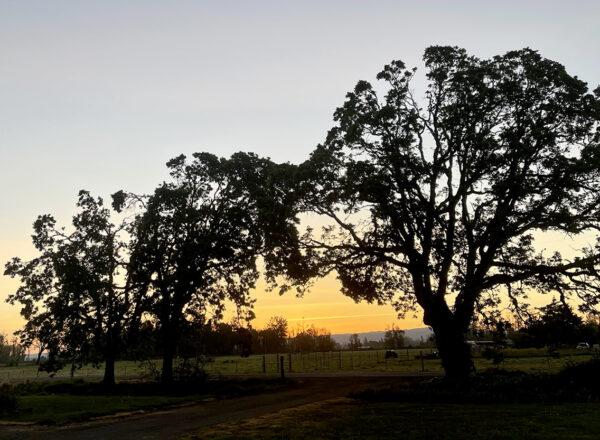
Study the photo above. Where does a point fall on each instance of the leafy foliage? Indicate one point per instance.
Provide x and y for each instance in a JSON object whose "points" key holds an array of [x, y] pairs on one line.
{"points": [[578, 383], [76, 296], [393, 338], [8, 399], [197, 240], [11, 353], [440, 200]]}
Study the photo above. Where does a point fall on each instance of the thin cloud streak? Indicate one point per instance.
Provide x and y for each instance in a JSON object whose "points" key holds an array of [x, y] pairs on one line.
{"points": [[317, 318]]}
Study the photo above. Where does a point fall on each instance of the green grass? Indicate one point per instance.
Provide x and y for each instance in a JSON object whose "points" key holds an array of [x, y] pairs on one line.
{"points": [[29, 371], [65, 408], [354, 419], [529, 360], [67, 401]]}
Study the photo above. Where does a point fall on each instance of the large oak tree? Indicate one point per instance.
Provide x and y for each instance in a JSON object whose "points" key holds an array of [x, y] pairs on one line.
{"points": [[196, 243], [435, 203]]}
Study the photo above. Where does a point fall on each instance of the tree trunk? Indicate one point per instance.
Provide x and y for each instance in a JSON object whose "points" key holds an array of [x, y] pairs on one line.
{"points": [[454, 352], [109, 370], [167, 367]]}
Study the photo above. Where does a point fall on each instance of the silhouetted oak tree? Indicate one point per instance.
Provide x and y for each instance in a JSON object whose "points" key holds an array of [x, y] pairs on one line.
{"points": [[76, 296], [196, 243], [435, 204]]}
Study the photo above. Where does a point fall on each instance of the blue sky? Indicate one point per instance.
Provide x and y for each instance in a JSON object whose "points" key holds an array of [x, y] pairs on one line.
{"points": [[99, 95]]}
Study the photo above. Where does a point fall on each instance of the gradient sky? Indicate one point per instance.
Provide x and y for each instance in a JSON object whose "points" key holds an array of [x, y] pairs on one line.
{"points": [[99, 95]]}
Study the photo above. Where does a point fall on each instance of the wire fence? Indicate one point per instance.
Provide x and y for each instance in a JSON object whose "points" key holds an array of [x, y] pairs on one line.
{"points": [[402, 360]]}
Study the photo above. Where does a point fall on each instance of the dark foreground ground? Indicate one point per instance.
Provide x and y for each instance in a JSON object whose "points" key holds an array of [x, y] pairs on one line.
{"points": [[172, 423], [319, 408], [344, 418]]}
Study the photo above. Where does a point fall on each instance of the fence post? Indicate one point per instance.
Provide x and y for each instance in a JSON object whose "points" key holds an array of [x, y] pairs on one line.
{"points": [[422, 362], [281, 368], [290, 362]]}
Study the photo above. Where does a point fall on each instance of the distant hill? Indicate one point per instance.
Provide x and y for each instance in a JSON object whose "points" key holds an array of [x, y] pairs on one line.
{"points": [[415, 334]]}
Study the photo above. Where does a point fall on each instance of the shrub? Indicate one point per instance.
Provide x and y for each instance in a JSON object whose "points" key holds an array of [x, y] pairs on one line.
{"points": [[190, 371], [8, 399], [576, 383], [494, 354]]}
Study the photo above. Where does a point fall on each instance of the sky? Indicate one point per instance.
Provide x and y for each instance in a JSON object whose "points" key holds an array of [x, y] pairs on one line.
{"points": [[99, 95]]}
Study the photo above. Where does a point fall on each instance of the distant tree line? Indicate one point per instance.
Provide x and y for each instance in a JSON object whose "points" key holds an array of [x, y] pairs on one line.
{"points": [[11, 352], [393, 338], [554, 325], [235, 338]]}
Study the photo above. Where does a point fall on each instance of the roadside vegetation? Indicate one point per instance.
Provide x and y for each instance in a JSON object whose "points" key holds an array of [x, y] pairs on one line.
{"points": [[355, 419], [64, 401], [499, 405]]}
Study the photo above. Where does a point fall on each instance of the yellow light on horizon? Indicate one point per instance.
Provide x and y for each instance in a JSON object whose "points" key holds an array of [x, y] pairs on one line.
{"points": [[317, 318]]}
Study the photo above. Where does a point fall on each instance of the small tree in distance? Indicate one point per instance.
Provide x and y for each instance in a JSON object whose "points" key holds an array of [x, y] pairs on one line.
{"points": [[393, 338], [354, 342], [274, 335]]}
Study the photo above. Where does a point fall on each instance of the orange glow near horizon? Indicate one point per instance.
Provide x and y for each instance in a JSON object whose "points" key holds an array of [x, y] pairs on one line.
{"points": [[322, 306]]}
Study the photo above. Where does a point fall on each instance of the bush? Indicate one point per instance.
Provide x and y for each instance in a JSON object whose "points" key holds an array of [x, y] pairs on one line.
{"points": [[190, 372], [8, 399], [576, 383], [80, 387], [583, 379], [494, 354]]}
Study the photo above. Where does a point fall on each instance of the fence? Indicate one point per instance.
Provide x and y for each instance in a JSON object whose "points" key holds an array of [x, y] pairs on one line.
{"points": [[373, 360], [407, 360]]}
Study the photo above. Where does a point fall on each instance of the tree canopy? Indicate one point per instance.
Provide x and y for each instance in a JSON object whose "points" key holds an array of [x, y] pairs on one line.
{"points": [[76, 296], [197, 240], [435, 203], [432, 203]]}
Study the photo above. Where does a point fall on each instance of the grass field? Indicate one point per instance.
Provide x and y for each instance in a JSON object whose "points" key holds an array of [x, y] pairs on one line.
{"points": [[530, 360], [354, 419], [55, 402], [29, 371], [57, 409]]}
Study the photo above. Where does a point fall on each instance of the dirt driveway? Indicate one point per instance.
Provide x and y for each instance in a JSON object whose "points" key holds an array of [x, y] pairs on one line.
{"points": [[169, 424]]}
